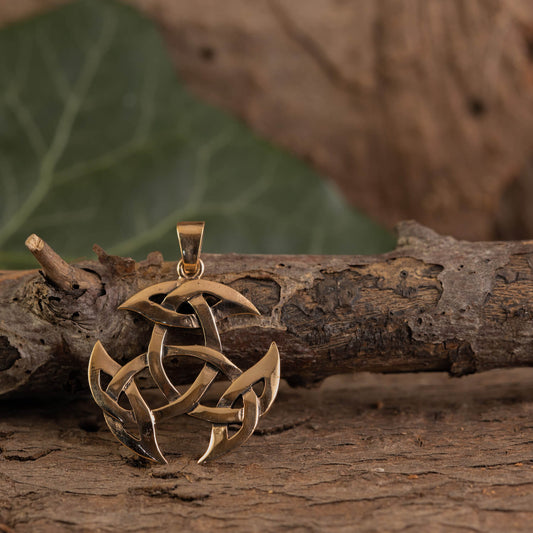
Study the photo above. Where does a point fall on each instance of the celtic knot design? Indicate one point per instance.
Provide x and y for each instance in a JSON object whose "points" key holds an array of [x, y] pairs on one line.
{"points": [[239, 404]]}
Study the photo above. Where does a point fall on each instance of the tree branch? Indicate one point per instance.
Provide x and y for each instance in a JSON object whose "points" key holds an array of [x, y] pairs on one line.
{"points": [[433, 304], [58, 271]]}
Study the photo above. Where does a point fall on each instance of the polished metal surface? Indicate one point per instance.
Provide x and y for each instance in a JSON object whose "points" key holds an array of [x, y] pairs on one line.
{"points": [[190, 236], [239, 404]]}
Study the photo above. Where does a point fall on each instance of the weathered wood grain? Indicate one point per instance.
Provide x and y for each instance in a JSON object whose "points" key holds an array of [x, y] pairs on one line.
{"points": [[366, 453]]}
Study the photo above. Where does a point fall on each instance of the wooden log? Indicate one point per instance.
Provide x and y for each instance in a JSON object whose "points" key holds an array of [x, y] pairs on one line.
{"points": [[433, 304]]}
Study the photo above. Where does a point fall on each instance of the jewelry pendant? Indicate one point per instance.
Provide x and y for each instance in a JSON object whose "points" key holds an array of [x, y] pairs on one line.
{"points": [[239, 404]]}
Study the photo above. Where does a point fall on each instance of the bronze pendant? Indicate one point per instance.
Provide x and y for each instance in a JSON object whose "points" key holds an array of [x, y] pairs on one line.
{"points": [[239, 404]]}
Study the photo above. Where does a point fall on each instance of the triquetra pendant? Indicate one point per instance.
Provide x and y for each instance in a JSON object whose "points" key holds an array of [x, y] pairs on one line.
{"points": [[208, 302]]}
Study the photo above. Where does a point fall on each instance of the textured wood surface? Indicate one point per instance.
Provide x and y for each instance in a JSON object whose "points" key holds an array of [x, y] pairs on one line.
{"points": [[433, 304], [365, 453]]}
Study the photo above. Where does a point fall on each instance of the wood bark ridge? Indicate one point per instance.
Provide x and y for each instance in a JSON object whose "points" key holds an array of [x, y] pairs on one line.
{"points": [[433, 304]]}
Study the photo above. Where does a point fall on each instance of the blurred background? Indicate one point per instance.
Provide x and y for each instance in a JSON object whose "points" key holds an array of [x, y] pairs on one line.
{"points": [[291, 127]]}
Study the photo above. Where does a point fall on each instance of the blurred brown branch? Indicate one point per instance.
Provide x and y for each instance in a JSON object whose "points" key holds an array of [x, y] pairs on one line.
{"points": [[416, 109]]}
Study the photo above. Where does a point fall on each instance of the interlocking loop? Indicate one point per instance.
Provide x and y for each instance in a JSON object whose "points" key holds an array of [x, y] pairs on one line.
{"points": [[239, 404]]}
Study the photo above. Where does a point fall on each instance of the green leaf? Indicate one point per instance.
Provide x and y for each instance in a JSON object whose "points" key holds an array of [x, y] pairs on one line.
{"points": [[99, 142]]}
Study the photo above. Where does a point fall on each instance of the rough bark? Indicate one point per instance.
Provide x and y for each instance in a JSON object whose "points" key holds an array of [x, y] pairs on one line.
{"points": [[433, 304], [374, 453], [417, 109]]}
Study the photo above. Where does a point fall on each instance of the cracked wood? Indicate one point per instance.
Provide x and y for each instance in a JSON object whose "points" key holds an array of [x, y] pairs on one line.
{"points": [[433, 304], [362, 453]]}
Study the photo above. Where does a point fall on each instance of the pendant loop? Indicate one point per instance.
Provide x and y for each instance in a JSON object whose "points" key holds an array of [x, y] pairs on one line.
{"points": [[190, 236], [195, 275]]}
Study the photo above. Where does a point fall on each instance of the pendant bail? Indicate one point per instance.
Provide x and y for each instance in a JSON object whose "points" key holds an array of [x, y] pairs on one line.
{"points": [[190, 236]]}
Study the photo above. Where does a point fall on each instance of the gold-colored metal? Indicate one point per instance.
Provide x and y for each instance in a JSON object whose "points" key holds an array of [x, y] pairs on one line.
{"points": [[190, 236], [239, 404]]}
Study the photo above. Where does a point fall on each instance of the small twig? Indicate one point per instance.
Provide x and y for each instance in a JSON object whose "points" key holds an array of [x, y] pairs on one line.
{"points": [[57, 270]]}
